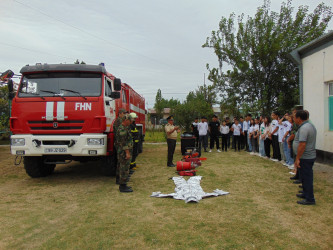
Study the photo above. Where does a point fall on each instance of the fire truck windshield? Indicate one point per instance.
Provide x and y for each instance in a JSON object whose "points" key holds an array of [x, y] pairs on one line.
{"points": [[63, 84]]}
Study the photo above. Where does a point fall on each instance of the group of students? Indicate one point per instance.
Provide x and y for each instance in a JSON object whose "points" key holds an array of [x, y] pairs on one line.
{"points": [[255, 135], [292, 137]]}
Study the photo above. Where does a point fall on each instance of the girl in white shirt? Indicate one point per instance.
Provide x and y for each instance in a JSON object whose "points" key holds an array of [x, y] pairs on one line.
{"points": [[287, 129], [255, 135], [237, 130], [261, 139]]}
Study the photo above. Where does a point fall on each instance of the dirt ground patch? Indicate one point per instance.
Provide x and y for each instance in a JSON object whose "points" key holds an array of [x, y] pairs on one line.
{"points": [[77, 207]]}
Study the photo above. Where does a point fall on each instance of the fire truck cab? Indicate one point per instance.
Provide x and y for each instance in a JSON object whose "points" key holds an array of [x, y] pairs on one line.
{"points": [[65, 112]]}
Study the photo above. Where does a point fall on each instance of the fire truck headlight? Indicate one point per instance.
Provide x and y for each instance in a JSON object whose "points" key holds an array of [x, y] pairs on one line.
{"points": [[95, 141], [18, 142]]}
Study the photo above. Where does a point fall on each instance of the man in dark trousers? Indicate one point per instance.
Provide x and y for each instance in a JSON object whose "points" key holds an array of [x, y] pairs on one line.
{"points": [[297, 177], [214, 132], [116, 125], [171, 133], [124, 144], [304, 147]]}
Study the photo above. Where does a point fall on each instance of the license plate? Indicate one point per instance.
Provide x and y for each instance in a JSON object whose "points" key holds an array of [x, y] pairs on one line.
{"points": [[55, 150]]}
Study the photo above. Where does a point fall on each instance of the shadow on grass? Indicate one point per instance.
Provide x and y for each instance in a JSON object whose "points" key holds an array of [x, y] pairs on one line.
{"points": [[74, 173]]}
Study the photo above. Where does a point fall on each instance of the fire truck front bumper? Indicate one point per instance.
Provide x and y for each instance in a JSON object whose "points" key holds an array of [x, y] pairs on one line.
{"points": [[74, 145]]}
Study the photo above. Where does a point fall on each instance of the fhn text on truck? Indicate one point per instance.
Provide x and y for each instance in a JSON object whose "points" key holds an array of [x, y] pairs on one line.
{"points": [[65, 112]]}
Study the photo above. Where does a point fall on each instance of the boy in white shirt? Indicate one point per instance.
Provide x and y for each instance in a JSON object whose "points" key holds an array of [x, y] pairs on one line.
{"points": [[248, 139], [275, 139], [237, 130], [224, 129]]}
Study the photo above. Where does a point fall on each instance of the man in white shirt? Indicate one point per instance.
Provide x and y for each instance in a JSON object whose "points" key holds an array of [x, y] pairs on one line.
{"points": [[246, 126], [202, 129]]}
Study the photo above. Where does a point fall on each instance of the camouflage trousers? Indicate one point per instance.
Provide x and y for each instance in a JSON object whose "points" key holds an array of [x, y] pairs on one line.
{"points": [[118, 162], [123, 166]]}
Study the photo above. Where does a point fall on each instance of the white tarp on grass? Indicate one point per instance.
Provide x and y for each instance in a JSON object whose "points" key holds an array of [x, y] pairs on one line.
{"points": [[189, 190]]}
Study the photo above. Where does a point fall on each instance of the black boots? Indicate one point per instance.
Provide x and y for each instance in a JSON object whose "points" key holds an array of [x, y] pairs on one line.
{"points": [[125, 189]]}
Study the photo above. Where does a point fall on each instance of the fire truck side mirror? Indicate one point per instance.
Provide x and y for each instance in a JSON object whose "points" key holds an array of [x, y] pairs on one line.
{"points": [[117, 84], [10, 89], [115, 95]]}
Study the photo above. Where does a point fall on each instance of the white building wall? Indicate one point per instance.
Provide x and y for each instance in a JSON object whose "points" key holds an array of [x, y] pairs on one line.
{"points": [[317, 71]]}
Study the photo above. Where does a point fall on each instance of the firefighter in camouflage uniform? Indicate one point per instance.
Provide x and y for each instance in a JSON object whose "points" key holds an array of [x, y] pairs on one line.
{"points": [[124, 144], [116, 125]]}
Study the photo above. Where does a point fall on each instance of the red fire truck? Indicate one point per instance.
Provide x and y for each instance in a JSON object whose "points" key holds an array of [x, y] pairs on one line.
{"points": [[65, 112]]}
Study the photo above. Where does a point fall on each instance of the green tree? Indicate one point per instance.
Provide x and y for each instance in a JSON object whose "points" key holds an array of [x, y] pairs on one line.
{"points": [[4, 109], [208, 93], [161, 103], [78, 62], [262, 76], [195, 105]]}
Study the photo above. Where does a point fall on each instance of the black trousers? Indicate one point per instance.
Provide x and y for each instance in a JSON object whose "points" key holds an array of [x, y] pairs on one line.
{"points": [[307, 178], [245, 140], [228, 140], [276, 147], [242, 141], [171, 150], [134, 155], [202, 143], [237, 141], [233, 142], [255, 146], [225, 141], [214, 138], [196, 140], [267, 145]]}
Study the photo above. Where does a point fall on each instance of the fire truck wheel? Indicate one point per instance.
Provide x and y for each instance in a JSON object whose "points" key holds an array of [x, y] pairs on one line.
{"points": [[109, 165], [35, 167], [48, 169]]}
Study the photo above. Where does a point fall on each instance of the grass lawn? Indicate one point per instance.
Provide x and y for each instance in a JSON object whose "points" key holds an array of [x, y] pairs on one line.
{"points": [[77, 208], [155, 136]]}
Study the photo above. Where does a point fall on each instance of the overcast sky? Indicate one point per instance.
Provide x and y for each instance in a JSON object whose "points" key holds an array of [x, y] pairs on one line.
{"points": [[149, 44]]}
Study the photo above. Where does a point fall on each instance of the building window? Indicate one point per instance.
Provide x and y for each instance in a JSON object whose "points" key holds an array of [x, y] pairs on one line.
{"points": [[330, 105]]}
